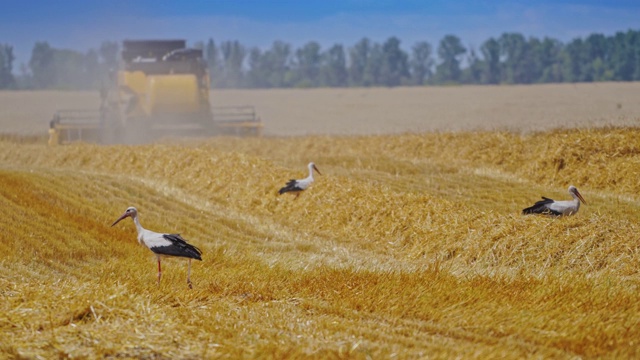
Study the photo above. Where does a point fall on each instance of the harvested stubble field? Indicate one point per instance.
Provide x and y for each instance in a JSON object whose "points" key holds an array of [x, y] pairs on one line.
{"points": [[408, 246]]}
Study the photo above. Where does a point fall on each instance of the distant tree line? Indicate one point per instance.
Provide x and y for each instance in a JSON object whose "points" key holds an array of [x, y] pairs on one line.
{"points": [[7, 81], [509, 59]]}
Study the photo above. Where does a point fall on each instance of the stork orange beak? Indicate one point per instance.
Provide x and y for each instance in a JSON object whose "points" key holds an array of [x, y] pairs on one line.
{"points": [[316, 169], [120, 218]]}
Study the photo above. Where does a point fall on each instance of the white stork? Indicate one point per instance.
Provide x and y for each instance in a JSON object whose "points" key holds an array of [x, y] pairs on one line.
{"points": [[558, 208], [163, 244], [297, 186]]}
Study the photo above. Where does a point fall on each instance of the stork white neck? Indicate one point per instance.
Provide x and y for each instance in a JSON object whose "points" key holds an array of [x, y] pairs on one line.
{"points": [[575, 201], [310, 171], [142, 232], [139, 227]]}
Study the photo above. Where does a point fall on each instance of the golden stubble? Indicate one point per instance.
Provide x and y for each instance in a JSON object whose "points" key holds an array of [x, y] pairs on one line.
{"points": [[408, 245]]}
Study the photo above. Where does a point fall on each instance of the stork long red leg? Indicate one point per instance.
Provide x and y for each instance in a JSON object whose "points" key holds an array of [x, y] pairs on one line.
{"points": [[189, 275], [159, 271]]}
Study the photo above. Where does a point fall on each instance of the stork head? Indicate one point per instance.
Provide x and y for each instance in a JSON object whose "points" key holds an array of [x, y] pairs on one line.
{"points": [[576, 194], [312, 167], [130, 212]]}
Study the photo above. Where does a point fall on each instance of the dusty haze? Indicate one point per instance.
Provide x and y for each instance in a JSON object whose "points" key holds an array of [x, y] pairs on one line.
{"points": [[364, 111]]}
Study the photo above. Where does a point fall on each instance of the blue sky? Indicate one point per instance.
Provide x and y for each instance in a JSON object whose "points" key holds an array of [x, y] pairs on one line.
{"points": [[81, 25]]}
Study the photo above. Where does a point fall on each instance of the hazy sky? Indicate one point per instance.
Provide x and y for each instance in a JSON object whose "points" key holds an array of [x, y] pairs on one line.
{"points": [[83, 24]]}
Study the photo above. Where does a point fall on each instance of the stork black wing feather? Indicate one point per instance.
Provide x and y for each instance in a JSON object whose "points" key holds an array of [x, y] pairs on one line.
{"points": [[541, 207], [291, 186], [179, 247]]}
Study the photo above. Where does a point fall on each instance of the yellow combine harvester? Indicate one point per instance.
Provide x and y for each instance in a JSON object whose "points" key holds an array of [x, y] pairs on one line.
{"points": [[161, 89]]}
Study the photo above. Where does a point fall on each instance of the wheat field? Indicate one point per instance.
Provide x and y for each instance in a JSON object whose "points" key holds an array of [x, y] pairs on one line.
{"points": [[380, 111], [409, 245]]}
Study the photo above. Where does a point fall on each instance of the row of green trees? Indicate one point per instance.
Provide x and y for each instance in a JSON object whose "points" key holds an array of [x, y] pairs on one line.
{"points": [[51, 68], [7, 81], [510, 58]]}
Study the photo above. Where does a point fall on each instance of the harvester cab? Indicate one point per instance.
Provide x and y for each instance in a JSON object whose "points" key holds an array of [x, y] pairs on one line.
{"points": [[161, 89]]}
